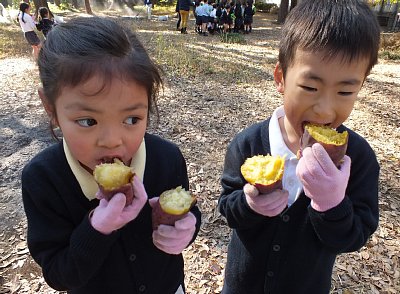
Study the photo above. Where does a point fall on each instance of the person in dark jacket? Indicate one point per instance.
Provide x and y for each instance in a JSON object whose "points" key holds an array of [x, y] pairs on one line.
{"points": [[99, 86], [286, 240], [45, 24]]}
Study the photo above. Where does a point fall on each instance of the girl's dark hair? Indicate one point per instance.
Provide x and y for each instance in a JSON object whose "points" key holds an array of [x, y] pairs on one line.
{"points": [[43, 12], [77, 50], [334, 27], [22, 7]]}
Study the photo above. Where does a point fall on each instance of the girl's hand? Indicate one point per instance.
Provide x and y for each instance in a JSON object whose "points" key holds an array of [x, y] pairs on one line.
{"points": [[173, 239], [322, 181], [113, 215], [270, 204]]}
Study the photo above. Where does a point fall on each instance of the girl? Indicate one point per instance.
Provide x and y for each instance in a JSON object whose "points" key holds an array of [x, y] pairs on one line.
{"points": [[28, 25], [99, 86], [45, 24]]}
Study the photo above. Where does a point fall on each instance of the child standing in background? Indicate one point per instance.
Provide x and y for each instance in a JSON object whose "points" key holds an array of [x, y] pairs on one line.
{"points": [[287, 241], [45, 24], [99, 86], [28, 26]]}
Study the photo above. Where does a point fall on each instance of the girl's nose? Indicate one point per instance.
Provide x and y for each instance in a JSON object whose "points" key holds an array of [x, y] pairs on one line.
{"points": [[109, 138]]}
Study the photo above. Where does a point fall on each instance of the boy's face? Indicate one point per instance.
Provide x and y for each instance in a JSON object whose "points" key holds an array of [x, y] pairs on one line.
{"points": [[101, 125], [317, 90]]}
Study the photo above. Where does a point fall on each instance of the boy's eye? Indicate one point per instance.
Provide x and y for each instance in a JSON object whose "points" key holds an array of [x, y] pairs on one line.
{"points": [[86, 122], [309, 89], [345, 93], [131, 120]]}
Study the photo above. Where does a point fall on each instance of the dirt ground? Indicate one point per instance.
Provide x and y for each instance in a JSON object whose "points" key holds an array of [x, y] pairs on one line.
{"points": [[201, 113]]}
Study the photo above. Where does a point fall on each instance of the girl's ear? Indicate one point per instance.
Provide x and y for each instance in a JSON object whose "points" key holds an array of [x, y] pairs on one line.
{"points": [[48, 107], [278, 77]]}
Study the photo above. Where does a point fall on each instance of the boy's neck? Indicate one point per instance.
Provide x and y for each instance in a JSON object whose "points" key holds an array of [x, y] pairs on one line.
{"points": [[289, 136]]}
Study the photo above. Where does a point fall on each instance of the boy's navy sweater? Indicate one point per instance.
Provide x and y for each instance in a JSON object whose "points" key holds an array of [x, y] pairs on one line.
{"points": [[73, 255], [295, 251]]}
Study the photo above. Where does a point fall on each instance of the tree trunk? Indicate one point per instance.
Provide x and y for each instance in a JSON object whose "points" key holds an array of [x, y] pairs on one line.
{"points": [[88, 8], [41, 3], [57, 3], [293, 4], [283, 11], [75, 3]]}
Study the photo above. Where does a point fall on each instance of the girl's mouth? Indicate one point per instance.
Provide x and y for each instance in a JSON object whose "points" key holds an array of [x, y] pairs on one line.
{"points": [[110, 159]]}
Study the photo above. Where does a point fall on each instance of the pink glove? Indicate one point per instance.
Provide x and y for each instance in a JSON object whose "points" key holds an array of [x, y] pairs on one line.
{"points": [[113, 215], [270, 204], [173, 239], [322, 181]]}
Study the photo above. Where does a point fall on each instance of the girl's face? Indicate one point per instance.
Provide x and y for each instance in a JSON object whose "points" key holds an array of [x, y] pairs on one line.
{"points": [[317, 90], [99, 126]]}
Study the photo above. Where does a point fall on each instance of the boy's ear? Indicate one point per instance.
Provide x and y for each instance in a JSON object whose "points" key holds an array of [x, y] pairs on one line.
{"points": [[278, 77], [48, 107]]}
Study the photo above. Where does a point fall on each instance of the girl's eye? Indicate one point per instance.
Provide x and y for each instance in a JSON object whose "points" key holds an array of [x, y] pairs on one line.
{"points": [[309, 89], [131, 120], [86, 122]]}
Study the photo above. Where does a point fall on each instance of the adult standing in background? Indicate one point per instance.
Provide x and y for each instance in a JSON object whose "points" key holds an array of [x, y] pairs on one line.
{"points": [[149, 6], [178, 24], [184, 8]]}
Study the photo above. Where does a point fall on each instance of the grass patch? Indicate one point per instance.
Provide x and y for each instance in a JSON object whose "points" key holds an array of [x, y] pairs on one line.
{"points": [[12, 42], [233, 38]]}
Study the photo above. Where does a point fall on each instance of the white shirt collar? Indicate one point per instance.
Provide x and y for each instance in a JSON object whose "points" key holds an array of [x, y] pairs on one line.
{"points": [[278, 146]]}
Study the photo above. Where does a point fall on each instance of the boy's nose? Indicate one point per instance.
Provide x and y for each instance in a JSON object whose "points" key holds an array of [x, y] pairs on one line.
{"points": [[324, 109]]}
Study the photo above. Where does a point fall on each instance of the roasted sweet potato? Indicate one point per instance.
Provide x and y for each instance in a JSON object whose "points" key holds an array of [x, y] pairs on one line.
{"points": [[171, 206], [335, 143], [114, 178], [264, 172]]}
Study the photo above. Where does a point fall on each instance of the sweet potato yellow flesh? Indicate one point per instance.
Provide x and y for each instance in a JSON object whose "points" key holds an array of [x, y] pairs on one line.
{"points": [[176, 201], [326, 135], [111, 176], [264, 170]]}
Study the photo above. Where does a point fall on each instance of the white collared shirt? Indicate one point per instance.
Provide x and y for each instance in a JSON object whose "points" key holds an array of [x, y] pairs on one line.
{"points": [[278, 147]]}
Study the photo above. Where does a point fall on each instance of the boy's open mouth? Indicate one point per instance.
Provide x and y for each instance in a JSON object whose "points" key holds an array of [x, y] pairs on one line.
{"points": [[303, 125]]}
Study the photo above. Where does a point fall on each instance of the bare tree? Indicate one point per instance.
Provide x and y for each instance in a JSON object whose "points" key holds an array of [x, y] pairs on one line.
{"points": [[283, 11]]}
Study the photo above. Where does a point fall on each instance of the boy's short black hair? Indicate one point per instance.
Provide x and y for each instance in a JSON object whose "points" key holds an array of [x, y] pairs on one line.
{"points": [[335, 27]]}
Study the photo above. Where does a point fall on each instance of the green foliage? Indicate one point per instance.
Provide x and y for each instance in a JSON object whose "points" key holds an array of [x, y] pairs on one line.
{"points": [[390, 55], [265, 7], [233, 38]]}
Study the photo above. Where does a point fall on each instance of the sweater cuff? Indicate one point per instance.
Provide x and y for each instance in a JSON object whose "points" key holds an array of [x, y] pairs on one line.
{"points": [[90, 242], [338, 212]]}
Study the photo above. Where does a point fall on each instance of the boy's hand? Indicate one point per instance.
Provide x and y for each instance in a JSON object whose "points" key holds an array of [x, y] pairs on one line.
{"points": [[322, 181], [270, 204], [173, 239], [113, 215]]}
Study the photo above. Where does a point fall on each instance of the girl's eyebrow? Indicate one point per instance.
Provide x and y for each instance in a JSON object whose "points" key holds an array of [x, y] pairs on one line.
{"points": [[85, 107]]}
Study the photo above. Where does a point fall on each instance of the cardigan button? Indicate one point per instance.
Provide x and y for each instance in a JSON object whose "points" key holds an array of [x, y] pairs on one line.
{"points": [[285, 218], [276, 248], [142, 288], [132, 257], [270, 274]]}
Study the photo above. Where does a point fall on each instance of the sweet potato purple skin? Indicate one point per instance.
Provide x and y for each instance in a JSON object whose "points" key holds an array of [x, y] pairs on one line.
{"points": [[335, 152], [266, 189], [160, 217], [126, 189]]}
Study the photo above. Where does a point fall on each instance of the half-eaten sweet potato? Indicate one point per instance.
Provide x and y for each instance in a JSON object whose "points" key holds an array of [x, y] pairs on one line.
{"points": [[171, 206], [265, 172], [114, 178]]}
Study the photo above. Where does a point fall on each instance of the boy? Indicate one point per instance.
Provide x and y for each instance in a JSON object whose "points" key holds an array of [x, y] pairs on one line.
{"points": [[287, 241]]}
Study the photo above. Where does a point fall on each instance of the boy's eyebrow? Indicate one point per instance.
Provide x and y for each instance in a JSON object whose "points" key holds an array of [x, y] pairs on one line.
{"points": [[312, 76]]}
